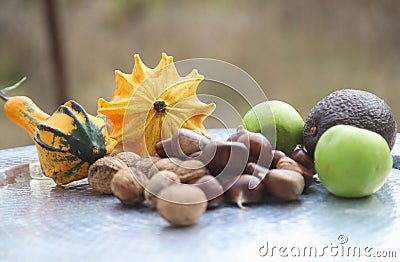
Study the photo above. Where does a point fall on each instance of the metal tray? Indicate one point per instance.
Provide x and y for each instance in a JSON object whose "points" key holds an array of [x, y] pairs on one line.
{"points": [[41, 222]]}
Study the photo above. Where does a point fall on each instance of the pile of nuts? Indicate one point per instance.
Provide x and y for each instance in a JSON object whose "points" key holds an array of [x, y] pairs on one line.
{"points": [[192, 173]]}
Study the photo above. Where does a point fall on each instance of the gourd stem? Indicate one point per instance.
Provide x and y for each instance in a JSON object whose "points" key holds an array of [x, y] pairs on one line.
{"points": [[3, 91], [3, 96]]}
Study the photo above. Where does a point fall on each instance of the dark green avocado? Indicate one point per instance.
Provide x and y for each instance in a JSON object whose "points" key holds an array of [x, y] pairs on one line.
{"points": [[349, 107]]}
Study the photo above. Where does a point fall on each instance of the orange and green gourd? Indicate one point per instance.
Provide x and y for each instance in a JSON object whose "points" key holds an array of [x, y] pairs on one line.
{"points": [[149, 105], [67, 142]]}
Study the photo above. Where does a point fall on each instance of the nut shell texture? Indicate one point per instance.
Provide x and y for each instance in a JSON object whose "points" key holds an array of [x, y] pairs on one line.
{"points": [[181, 204], [127, 186], [102, 172]]}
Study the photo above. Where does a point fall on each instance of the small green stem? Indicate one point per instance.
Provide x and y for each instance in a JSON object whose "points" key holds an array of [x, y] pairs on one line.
{"points": [[3, 92], [3, 96]]}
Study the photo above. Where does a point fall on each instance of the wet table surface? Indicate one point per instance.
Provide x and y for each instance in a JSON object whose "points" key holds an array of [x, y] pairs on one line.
{"points": [[41, 222]]}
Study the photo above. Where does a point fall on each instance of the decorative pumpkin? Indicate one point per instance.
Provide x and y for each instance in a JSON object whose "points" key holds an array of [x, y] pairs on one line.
{"points": [[149, 105], [67, 142]]}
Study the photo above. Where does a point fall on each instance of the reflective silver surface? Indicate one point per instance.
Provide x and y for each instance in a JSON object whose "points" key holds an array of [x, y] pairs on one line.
{"points": [[41, 222]]}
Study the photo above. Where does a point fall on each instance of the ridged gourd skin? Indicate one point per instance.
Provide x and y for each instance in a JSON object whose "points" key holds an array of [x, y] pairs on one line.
{"points": [[149, 105], [69, 141], [353, 107]]}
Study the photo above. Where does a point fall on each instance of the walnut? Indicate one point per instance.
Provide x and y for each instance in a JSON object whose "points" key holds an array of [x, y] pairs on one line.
{"points": [[145, 164], [102, 172], [129, 158], [128, 186], [191, 170], [170, 164]]}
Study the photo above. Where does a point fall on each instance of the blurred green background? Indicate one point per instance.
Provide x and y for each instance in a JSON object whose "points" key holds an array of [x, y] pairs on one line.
{"points": [[298, 51]]}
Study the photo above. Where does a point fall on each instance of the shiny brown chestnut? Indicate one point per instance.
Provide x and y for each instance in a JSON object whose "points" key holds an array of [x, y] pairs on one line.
{"points": [[163, 148], [290, 164], [284, 184], [301, 157], [260, 149], [281, 184], [256, 170], [185, 142], [225, 159], [277, 154], [245, 189]]}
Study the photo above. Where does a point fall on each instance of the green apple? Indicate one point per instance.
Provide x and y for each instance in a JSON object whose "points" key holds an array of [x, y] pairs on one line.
{"points": [[352, 162], [279, 122]]}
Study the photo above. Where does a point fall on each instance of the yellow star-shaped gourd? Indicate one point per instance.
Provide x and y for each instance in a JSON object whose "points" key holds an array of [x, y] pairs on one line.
{"points": [[149, 105]]}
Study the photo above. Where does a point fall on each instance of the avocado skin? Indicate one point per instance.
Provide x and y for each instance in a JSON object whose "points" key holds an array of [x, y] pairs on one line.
{"points": [[349, 107]]}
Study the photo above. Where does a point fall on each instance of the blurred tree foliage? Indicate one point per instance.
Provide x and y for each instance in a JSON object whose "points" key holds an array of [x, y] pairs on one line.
{"points": [[298, 51]]}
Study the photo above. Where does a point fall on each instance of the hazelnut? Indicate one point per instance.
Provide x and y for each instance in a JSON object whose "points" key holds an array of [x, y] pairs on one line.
{"points": [[129, 158], [128, 186], [157, 183], [191, 170], [102, 172], [290, 164], [212, 189], [245, 189], [181, 204], [284, 184], [225, 159]]}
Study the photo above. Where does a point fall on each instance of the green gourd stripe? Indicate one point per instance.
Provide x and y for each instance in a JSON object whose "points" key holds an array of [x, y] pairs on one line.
{"points": [[42, 144]]}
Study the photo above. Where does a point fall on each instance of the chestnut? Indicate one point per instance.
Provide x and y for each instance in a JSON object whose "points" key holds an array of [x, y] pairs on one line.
{"points": [[256, 170], [225, 159], [163, 148], [277, 154], [260, 149], [240, 130], [284, 184], [185, 142], [245, 189], [182, 144], [279, 183], [290, 164], [301, 157]]}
